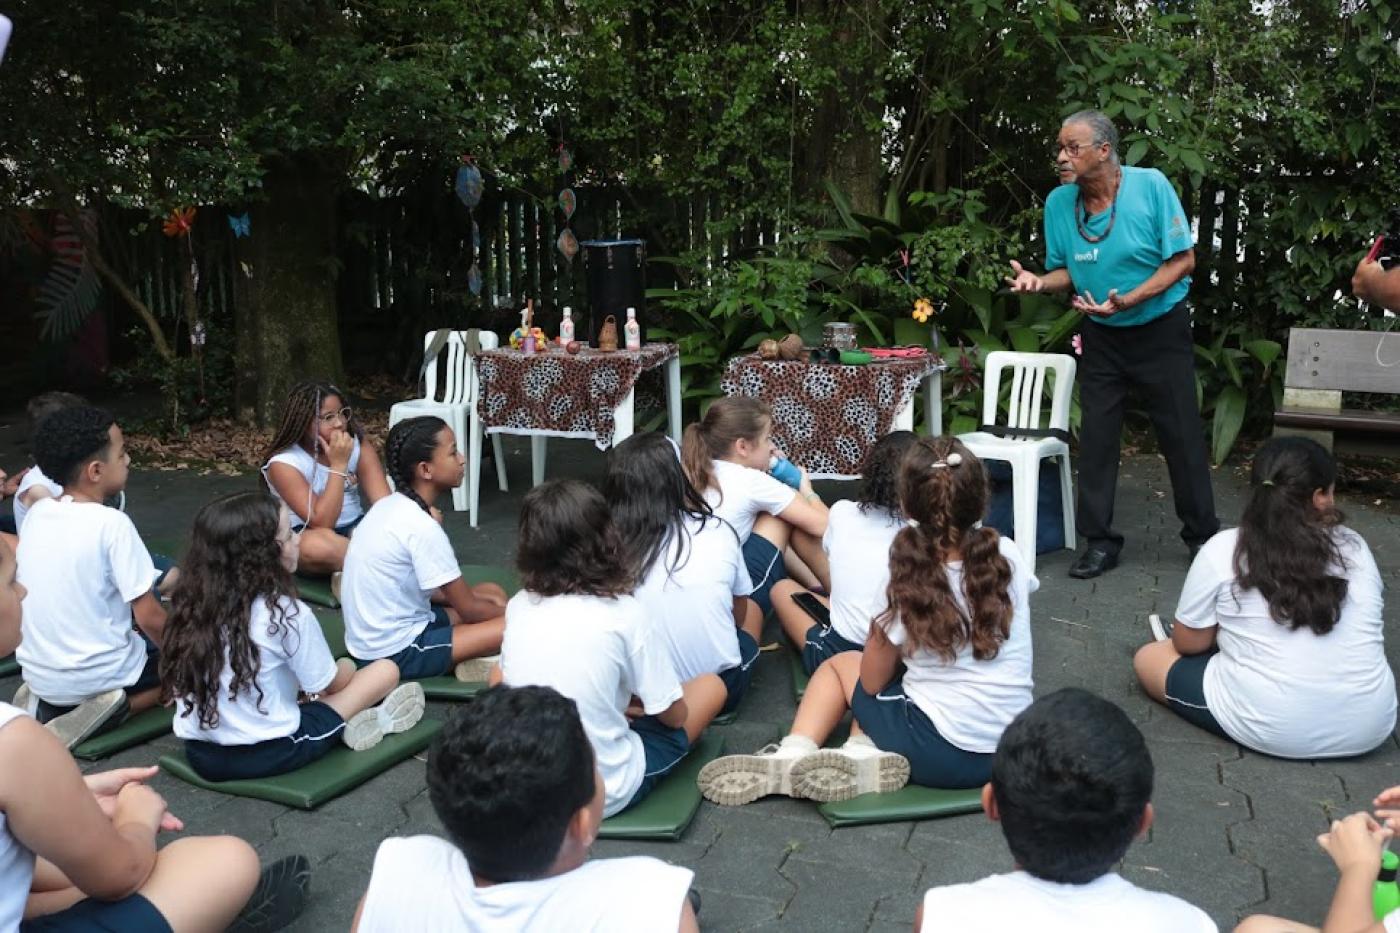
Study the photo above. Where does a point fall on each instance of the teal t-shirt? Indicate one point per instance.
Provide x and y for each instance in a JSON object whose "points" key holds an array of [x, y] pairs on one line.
{"points": [[1151, 227]]}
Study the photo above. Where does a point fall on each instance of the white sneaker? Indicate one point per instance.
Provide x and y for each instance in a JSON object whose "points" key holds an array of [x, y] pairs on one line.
{"points": [[476, 670], [738, 779], [399, 712], [335, 584], [87, 717], [24, 699], [842, 773], [1159, 630]]}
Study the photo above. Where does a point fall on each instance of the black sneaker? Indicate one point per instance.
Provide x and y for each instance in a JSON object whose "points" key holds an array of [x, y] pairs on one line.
{"points": [[279, 897], [693, 896]]}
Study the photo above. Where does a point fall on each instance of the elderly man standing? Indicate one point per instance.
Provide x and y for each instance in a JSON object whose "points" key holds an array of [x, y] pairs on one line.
{"points": [[1117, 237]]}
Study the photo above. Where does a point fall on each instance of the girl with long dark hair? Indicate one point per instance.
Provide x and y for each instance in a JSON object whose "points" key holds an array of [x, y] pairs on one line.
{"points": [[239, 647], [403, 593], [693, 581], [957, 619], [1279, 642], [319, 466]]}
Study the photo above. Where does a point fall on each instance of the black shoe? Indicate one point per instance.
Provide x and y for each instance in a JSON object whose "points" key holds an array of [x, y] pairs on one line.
{"points": [[1193, 550], [279, 897], [693, 896], [1092, 563]]}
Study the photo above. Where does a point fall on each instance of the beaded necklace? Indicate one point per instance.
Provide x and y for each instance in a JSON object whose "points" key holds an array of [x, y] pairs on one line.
{"points": [[1081, 213]]}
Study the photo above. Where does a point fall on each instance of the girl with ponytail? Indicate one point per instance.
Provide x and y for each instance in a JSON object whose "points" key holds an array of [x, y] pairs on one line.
{"points": [[320, 468], [726, 454], [403, 594], [1279, 637], [957, 619]]}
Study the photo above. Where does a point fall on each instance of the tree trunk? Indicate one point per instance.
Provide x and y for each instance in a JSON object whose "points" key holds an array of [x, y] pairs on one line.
{"points": [[291, 310]]}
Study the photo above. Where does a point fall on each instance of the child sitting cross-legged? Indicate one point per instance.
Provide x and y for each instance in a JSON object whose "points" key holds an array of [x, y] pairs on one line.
{"points": [[958, 622], [575, 626], [694, 582], [857, 571], [513, 779], [88, 577], [239, 647], [1071, 787], [403, 593]]}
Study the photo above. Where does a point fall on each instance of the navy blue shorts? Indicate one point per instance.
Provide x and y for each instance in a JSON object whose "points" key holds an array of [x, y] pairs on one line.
{"points": [[822, 644], [318, 733], [344, 530], [895, 723], [132, 912], [1186, 692], [737, 678], [428, 655], [765, 563], [147, 679], [664, 748]]}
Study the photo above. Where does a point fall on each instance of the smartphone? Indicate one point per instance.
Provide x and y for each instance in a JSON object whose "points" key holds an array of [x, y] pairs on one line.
{"points": [[813, 607]]}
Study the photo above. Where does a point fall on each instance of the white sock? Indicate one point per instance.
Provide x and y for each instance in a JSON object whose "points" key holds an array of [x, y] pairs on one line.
{"points": [[860, 745], [792, 745]]}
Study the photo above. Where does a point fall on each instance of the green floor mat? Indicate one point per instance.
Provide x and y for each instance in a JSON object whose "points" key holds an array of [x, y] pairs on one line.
{"points": [[666, 811], [911, 803], [724, 719], [142, 727], [8, 666], [333, 627], [799, 674], [339, 771], [316, 590]]}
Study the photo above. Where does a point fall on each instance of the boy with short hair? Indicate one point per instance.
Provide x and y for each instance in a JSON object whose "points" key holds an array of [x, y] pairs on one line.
{"points": [[1071, 785], [34, 483], [513, 780], [88, 576]]}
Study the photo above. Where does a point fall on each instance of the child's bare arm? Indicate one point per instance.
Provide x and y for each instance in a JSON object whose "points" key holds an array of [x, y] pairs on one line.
{"points": [[344, 672], [674, 715], [469, 606], [879, 661], [150, 616], [374, 483], [1355, 844], [9, 601], [689, 922], [1188, 641]]}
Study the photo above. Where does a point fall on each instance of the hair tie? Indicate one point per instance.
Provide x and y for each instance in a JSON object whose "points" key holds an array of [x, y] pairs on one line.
{"points": [[952, 460]]}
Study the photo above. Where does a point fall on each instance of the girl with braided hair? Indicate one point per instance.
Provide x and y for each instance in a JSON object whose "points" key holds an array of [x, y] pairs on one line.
{"points": [[957, 620], [402, 593], [318, 441]]}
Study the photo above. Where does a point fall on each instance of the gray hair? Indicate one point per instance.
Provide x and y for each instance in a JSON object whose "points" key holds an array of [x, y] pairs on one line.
{"points": [[1102, 127]]}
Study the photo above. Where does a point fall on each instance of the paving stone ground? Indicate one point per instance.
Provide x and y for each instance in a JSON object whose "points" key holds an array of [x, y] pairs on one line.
{"points": [[1234, 831]]}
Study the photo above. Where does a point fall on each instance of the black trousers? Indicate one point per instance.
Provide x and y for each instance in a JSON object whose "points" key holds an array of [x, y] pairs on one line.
{"points": [[1158, 359]]}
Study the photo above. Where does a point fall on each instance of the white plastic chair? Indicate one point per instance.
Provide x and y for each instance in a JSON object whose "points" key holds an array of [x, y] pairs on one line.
{"points": [[1024, 453], [451, 374]]}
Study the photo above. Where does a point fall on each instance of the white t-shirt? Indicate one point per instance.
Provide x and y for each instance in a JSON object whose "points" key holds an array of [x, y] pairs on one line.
{"points": [[83, 565], [858, 545], [1288, 692], [397, 558], [317, 475], [598, 653], [971, 702], [296, 658], [32, 477], [694, 605], [745, 493], [17, 862], [423, 883], [1020, 901]]}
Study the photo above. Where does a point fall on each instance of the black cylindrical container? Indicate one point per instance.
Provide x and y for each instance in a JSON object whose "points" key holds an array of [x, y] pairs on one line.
{"points": [[617, 280]]}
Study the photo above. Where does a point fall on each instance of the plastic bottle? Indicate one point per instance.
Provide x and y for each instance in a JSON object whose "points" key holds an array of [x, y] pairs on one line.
{"points": [[632, 331], [784, 471], [566, 327], [1385, 896]]}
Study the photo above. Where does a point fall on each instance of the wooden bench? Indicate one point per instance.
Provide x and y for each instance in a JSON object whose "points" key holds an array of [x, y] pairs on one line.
{"points": [[1322, 364]]}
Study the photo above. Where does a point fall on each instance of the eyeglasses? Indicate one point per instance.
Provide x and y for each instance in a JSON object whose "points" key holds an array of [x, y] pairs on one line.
{"points": [[1073, 149], [345, 414]]}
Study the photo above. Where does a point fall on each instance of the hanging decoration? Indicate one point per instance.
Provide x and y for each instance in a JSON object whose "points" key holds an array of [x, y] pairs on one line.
{"points": [[470, 186], [568, 203], [240, 225], [179, 223]]}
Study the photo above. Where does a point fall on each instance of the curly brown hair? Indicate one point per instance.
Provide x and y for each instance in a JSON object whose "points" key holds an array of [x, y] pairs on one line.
{"points": [[568, 543], [943, 488], [233, 561]]}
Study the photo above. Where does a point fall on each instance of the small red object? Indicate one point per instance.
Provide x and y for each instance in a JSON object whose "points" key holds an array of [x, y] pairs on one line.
{"points": [[573, 346], [897, 353]]}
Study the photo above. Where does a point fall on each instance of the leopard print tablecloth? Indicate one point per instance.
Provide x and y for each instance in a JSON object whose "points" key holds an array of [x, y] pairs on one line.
{"points": [[561, 394], [826, 417]]}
